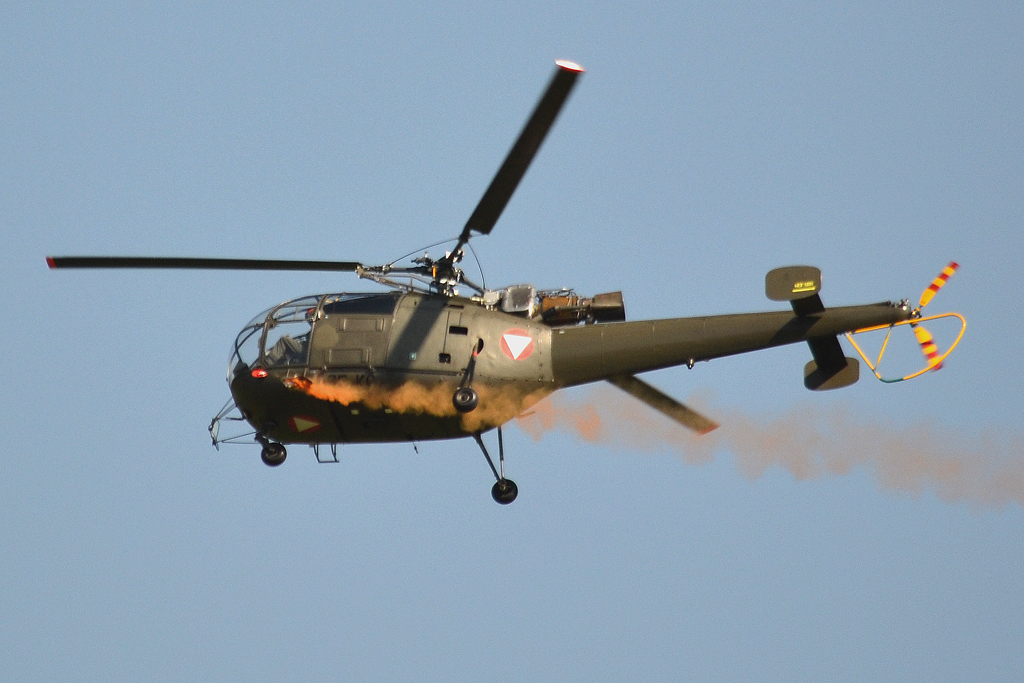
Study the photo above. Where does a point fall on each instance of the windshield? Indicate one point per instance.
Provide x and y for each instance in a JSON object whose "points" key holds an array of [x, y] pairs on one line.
{"points": [[246, 350], [287, 336]]}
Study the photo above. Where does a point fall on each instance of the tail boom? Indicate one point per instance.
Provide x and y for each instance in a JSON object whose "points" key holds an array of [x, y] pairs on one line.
{"points": [[580, 355]]}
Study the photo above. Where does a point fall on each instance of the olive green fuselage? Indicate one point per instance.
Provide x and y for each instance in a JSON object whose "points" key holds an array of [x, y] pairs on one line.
{"points": [[389, 374]]}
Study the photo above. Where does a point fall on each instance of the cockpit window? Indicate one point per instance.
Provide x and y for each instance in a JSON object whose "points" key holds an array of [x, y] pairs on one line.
{"points": [[299, 310], [246, 350], [279, 336], [288, 328], [260, 319]]}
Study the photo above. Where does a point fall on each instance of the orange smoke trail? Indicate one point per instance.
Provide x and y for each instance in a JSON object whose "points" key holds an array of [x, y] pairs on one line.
{"points": [[808, 442], [497, 404]]}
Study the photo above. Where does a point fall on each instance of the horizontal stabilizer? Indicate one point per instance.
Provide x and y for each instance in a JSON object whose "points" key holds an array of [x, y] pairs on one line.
{"points": [[663, 403], [819, 379]]}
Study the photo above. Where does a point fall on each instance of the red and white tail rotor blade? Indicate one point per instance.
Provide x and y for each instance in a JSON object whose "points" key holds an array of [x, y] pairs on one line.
{"points": [[938, 283], [924, 337], [928, 347]]}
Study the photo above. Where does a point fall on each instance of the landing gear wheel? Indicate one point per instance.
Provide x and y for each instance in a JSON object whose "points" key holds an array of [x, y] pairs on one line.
{"points": [[465, 399], [504, 491], [273, 454]]}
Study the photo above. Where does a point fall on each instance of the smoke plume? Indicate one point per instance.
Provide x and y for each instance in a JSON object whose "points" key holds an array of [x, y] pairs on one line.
{"points": [[498, 404], [807, 442]]}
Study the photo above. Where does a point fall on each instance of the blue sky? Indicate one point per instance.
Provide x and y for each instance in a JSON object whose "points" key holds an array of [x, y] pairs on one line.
{"points": [[703, 147]]}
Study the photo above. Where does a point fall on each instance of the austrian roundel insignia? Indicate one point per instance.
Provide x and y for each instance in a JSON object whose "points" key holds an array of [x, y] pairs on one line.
{"points": [[304, 424], [517, 344]]}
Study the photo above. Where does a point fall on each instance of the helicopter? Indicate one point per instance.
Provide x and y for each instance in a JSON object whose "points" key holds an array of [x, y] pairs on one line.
{"points": [[438, 356]]}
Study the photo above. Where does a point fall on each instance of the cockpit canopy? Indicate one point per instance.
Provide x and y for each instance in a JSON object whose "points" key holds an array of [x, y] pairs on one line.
{"points": [[279, 336]]}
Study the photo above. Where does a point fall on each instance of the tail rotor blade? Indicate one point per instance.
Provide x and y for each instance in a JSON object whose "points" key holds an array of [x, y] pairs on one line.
{"points": [[938, 283], [928, 347]]}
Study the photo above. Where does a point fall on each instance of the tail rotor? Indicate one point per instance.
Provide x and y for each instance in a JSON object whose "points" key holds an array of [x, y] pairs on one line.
{"points": [[932, 355], [924, 337]]}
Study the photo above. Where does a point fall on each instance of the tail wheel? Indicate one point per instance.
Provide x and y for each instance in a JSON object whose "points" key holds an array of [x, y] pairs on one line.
{"points": [[504, 491]]}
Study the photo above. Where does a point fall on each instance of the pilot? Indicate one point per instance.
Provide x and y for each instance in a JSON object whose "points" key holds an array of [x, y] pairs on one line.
{"points": [[288, 350]]}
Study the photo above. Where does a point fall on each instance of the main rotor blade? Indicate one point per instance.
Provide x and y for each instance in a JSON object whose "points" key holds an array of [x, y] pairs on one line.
{"points": [[519, 157], [664, 403], [195, 263]]}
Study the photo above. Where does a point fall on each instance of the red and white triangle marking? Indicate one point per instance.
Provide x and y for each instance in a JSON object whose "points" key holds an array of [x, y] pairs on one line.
{"points": [[304, 423], [517, 344]]}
